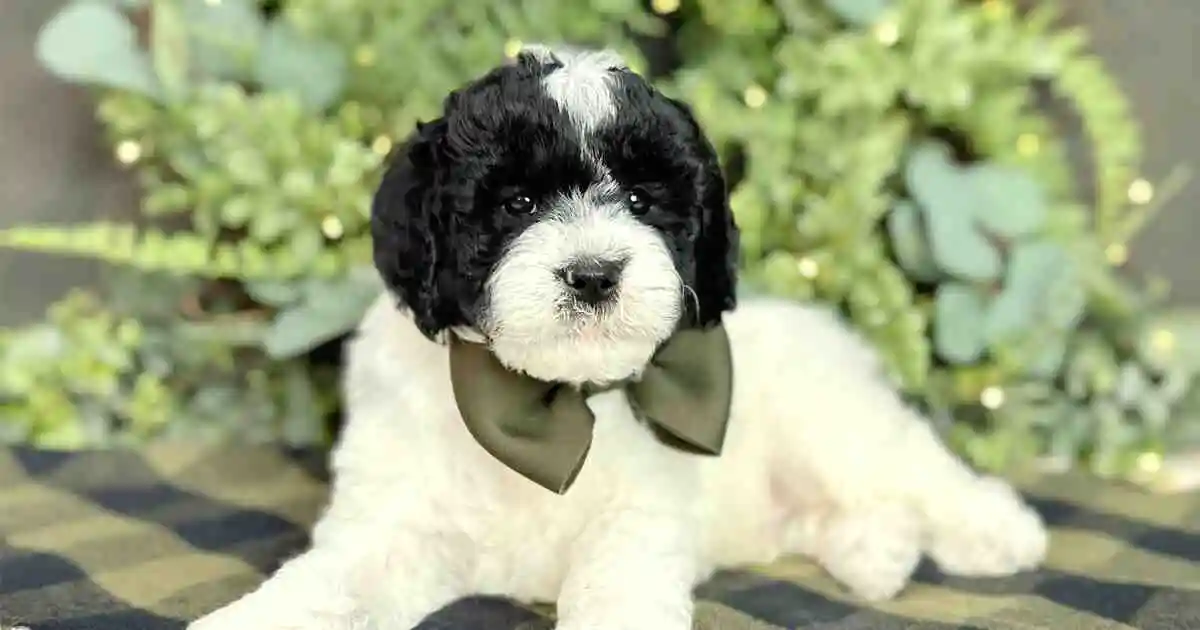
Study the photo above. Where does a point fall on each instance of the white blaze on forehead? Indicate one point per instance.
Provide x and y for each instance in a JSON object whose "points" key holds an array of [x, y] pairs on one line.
{"points": [[600, 197], [582, 86]]}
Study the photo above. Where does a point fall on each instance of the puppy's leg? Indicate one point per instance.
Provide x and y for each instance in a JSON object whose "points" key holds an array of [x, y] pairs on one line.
{"points": [[872, 550], [354, 581], [421, 571], [989, 531], [972, 525], [631, 570], [309, 592], [893, 489]]}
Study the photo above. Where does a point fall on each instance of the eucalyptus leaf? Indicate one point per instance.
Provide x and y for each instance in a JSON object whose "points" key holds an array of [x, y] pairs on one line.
{"points": [[959, 248], [1009, 314], [301, 329], [927, 169], [1007, 201], [1049, 354], [1067, 298], [329, 309], [359, 287], [944, 194], [273, 293], [860, 12], [224, 37], [95, 44], [312, 69], [959, 312], [909, 242], [1032, 270]]}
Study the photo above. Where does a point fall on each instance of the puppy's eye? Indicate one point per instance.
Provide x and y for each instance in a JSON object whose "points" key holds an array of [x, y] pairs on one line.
{"points": [[519, 204], [639, 202]]}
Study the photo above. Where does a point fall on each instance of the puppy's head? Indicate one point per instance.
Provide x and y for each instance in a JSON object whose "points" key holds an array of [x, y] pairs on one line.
{"points": [[562, 211]]}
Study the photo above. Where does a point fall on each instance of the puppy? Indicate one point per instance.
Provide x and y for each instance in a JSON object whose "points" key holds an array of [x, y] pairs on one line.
{"points": [[569, 219]]}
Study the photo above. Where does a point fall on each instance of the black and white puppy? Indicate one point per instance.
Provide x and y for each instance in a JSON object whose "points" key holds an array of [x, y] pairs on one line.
{"points": [[565, 159]]}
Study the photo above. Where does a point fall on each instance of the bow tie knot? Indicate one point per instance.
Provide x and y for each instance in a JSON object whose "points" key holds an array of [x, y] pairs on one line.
{"points": [[543, 430]]}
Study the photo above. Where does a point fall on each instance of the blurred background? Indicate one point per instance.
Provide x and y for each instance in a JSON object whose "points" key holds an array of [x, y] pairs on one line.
{"points": [[177, 333], [56, 165]]}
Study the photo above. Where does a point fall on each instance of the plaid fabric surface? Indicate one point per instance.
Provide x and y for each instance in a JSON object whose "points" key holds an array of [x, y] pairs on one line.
{"points": [[149, 539]]}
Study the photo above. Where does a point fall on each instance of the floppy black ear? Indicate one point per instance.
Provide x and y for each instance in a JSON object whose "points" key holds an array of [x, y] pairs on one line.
{"points": [[409, 232], [717, 245]]}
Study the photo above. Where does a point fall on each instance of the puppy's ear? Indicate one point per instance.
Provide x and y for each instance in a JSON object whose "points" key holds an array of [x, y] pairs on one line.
{"points": [[717, 245], [411, 241]]}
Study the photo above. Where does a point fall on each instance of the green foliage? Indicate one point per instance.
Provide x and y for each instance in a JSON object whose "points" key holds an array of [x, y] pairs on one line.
{"points": [[890, 157], [223, 39], [91, 376], [860, 12], [316, 311], [961, 315], [94, 43], [954, 209], [312, 69]]}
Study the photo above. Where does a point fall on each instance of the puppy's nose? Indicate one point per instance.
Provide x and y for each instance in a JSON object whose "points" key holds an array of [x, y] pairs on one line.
{"points": [[592, 281]]}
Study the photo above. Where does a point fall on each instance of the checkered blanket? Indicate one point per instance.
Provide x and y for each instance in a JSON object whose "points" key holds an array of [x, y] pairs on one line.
{"points": [[149, 539]]}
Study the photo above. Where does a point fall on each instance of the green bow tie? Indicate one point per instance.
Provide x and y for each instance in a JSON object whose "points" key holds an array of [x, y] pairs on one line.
{"points": [[543, 430]]}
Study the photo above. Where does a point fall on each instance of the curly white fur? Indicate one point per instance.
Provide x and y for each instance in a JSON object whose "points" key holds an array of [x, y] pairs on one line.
{"points": [[822, 459]]}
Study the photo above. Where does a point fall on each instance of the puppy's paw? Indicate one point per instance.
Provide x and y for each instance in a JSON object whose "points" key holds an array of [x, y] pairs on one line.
{"points": [[248, 615], [873, 553], [230, 617], [993, 533]]}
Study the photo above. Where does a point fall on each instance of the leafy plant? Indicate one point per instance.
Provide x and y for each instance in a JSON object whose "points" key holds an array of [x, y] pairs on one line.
{"points": [[91, 376], [93, 43], [890, 157]]}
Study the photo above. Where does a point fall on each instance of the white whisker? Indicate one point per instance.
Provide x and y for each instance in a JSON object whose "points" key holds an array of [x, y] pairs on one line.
{"points": [[690, 292]]}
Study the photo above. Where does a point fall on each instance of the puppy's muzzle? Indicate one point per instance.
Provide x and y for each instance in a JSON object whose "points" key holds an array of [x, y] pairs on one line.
{"points": [[592, 282]]}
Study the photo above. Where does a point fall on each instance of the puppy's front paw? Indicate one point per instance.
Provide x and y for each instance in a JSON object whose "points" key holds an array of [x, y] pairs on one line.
{"points": [[994, 533], [230, 617], [872, 552], [247, 614]]}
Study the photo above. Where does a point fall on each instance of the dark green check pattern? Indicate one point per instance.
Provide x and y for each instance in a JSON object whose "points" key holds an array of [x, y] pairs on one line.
{"points": [[146, 540]]}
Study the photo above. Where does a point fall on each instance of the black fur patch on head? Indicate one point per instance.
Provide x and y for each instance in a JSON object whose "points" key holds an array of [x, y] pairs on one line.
{"points": [[441, 220], [656, 147]]}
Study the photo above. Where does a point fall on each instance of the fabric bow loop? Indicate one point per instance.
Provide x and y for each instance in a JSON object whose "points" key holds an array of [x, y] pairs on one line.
{"points": [[543, 430]]}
